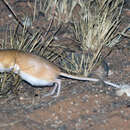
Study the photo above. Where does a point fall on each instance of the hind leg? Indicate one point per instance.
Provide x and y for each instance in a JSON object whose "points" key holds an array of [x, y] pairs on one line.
{"points": [[57, 88]]}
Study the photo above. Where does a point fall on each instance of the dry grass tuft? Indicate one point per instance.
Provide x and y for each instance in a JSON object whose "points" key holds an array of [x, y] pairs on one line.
{"points": [[97, 27]]}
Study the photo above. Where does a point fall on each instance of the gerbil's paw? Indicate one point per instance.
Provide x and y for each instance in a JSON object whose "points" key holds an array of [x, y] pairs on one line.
{"points": [[56, 90], [47, 95], [57, 93]]}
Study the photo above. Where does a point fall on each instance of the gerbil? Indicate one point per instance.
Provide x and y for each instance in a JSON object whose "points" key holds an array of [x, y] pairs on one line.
{"points": [[36, 70]]}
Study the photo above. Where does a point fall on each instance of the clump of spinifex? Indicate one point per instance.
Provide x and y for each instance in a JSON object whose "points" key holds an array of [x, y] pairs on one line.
{"points": [[96, 29]]}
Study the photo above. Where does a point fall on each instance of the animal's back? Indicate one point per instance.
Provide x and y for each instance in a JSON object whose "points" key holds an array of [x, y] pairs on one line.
{"points": [[36, 66]]}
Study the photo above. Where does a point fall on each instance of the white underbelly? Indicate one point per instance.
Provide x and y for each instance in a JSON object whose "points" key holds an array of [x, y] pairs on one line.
{"points": [[30, 79], [34, 81]]}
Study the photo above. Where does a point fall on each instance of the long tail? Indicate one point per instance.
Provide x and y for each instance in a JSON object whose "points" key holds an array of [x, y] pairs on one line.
{"points": [[88, 79]]}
